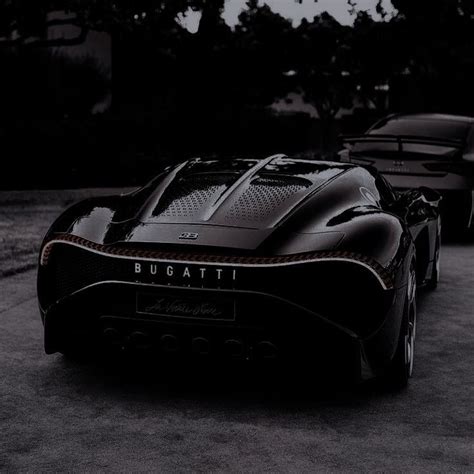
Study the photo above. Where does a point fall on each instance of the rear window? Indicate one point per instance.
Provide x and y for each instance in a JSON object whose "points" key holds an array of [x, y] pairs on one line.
{"points": [[423, 128]]}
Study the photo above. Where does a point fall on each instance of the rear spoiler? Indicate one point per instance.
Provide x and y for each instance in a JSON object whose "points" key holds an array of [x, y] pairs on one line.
{"points": [[401, 140]]}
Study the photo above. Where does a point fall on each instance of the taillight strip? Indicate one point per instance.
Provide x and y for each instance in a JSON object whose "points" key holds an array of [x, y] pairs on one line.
{"points": [[373, 266]]}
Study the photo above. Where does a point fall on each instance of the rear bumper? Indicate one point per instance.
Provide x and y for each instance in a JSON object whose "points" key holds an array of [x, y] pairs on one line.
{"points": [[265, 328], [448, 182]]}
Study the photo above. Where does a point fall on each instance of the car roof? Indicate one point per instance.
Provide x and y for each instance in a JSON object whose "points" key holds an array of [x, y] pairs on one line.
{"points": [[435, 117], [276, 163]]}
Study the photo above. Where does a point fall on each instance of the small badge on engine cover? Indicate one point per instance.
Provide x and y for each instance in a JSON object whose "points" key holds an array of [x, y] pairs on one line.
{"points": [[188, 236]]}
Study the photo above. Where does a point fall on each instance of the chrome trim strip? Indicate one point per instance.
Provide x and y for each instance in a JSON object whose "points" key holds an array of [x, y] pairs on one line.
{"points": [[153, 201], [218, 264], [471, 217]]}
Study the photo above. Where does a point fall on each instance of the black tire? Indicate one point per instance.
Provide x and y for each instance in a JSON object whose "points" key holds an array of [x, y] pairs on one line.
{"points": [[401, 366], [469, 234]]}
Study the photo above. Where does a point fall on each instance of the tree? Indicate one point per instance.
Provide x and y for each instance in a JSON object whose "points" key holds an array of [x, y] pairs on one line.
{"points": [[264, 47], [42, 84], [437, 39], [199, 71], [27, 22], [322, 62], [141, 30], [376, 57]]}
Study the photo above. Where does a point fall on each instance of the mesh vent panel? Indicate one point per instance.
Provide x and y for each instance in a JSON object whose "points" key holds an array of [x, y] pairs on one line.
{"points": [[263, 197], [188, 197], [82, 269]]}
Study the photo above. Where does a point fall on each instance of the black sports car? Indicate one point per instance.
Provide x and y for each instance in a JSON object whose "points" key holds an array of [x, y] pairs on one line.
{"points": [[430, 150], [246, 259]]}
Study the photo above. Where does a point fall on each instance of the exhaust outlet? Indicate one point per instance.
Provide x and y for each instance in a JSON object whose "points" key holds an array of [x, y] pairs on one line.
{"points": [[112, 336], [234, 348], [200, 345], [169, 343], [140, 340], [266, 350]]}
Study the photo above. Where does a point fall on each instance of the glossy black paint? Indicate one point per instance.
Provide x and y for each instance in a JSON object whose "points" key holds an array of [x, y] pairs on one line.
{"points": [[431, 150], [339, 239]]}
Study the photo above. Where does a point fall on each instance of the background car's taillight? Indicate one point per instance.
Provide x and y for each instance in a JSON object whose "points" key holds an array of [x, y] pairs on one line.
{"points": [[457, 167]]}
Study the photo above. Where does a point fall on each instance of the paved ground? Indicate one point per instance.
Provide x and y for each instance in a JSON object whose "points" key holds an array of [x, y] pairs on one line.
{"points": [[56, 415]]}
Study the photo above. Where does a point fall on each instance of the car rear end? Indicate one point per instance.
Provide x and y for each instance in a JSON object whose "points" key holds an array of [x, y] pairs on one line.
{"points": [[306, 307]]}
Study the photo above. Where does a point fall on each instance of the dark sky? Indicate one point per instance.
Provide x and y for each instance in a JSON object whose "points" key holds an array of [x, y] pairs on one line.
{"points": [[296, 11], [307, 9]]}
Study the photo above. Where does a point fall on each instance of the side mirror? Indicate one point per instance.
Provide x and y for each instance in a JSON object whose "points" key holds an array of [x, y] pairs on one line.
{"points": [[406, 198], [430, 195], [410, 202]]}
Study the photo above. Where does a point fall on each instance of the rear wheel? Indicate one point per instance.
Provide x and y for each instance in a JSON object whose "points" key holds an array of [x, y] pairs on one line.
{"points": [[401, 367]]}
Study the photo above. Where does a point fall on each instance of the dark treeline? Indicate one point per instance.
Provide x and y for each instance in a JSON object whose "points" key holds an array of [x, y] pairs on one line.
{"points": [[176, 93]]}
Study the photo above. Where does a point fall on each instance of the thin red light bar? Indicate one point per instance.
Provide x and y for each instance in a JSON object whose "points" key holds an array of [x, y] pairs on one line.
{"points": [[122, 252]]}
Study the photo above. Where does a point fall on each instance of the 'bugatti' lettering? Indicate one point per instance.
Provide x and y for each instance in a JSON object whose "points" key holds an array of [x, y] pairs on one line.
{"points": [[188, 275]]}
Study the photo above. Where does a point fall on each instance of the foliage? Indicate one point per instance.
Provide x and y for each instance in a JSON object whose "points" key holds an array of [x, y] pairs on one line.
{"points": [[26, 20], [46, 84], [418, 59], [264, 53], [326, 80]]}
